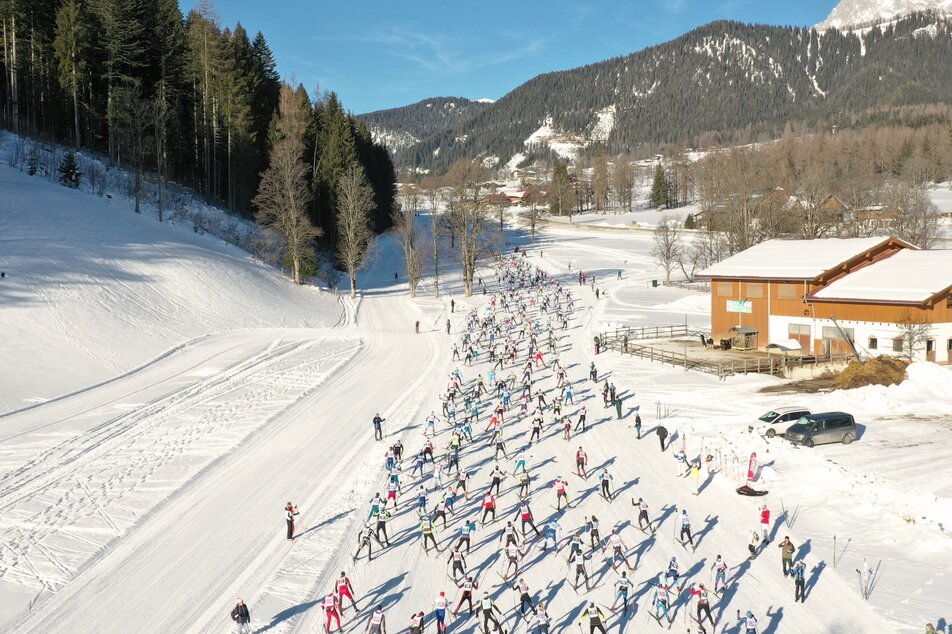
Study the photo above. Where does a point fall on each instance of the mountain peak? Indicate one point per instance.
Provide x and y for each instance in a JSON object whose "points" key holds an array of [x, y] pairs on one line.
{"points": [[862, 13]]}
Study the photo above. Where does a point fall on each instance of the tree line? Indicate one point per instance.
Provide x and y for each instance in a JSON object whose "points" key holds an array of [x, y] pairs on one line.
{"points": [[178, 97]]}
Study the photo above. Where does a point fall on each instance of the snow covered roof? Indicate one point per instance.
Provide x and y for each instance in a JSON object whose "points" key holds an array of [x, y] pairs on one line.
{"points": [[909, 276], [792, 259]]}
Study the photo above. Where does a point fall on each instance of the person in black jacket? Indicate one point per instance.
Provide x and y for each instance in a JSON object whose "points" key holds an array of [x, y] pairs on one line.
{"points": [[662, 435], [242, 618]]}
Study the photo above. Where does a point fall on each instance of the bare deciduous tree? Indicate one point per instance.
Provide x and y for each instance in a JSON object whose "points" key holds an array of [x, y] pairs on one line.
{"points": [[355, 201], [469, 217], [623, 179], [433, 191], [404, 226], [135, 117], [534, 212], [284, 194], [668, 246], [913, 217], [707, 248], [913, 335]]}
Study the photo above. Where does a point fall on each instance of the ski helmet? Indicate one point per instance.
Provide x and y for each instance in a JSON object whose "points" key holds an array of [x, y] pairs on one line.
{"points": [[750, 614]]}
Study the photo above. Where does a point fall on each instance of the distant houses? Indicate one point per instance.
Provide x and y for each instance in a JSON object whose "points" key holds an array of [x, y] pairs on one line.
{"points": [[878, 295]]}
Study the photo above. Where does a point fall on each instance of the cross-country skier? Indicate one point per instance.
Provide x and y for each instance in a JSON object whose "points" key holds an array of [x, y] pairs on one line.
{"points": [[551, 534], [427, 532], [581, 459], [509, 534], [561, 492], [583, 413], [332, 610], [720, 574], [431, 424], [618, 549], [489, 507], [642, 514], [524, 513], [673, 574], [496, 477], [622, 587], [345, 589], [363, 539], [465, 533], [416, 623], [686, 528], [467, 588], [377, 624], [595, 618], [524, 481], [575, 546], [490, 611], [662, 602], [290, 511], [458, 561], [513, 555], [750, 623], [540, 620], [525, 599], [595, 538], [606, 483], [580, 571], [703, 603], [418, 463], [440, 605]]}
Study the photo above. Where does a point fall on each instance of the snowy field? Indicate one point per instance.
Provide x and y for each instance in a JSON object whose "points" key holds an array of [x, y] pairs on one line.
{"points": [[180, 393]]}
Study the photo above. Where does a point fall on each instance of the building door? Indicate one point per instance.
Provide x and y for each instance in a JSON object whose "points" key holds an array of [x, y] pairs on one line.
{"points": [[930, 350], [833, 341]]}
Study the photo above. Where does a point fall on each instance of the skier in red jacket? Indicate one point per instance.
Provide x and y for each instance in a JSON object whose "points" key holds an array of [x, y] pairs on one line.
{"points": [[765, 523]]}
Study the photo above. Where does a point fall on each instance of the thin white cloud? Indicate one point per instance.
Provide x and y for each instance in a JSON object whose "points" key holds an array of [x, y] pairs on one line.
{"points": [[447, 54]]}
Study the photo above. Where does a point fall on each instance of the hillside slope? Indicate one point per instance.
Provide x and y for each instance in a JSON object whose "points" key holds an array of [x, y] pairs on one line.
{"points": [[721, 78], [92, 290]]}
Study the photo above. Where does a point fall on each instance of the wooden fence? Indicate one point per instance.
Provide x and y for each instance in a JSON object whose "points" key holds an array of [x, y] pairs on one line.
{"points": [[625, 341]]}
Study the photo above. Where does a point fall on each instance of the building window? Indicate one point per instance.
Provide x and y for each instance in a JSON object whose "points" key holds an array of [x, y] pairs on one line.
{"points": [[801, 333], [787, 291], [897, 344], [930, 345], [873, 343], [725, 289], [755, 290]]}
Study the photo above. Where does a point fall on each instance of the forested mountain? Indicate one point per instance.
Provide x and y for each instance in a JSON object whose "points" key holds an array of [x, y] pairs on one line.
{"points": [[180, 96], [723, 82], [400, 128]]}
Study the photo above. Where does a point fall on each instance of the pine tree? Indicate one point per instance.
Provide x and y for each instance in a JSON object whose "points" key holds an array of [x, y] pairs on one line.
{"points": [[660, 192], [69, 173], [561, 192], [284, 195], [71, 47]]}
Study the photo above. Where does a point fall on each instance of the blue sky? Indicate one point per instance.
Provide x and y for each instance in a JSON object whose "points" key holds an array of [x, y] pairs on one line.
{"points": [[387, 53]]}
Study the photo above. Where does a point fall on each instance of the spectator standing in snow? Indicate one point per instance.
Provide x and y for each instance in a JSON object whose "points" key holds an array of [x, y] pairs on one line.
{"points": [[242, 618], [662, 434]]}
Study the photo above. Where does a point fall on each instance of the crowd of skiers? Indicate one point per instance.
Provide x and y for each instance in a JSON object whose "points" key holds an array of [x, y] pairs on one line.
{"points": [[505, 347]]}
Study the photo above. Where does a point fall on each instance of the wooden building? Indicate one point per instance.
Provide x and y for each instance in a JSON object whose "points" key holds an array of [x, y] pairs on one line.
{"points": [[813, 295]]}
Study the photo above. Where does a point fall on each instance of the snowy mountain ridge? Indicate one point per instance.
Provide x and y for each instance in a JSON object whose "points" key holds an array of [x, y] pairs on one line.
{"points": [[851, 14]]}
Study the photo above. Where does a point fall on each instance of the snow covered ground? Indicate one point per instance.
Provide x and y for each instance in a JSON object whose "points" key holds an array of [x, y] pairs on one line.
{"points": [[150, 499]]}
